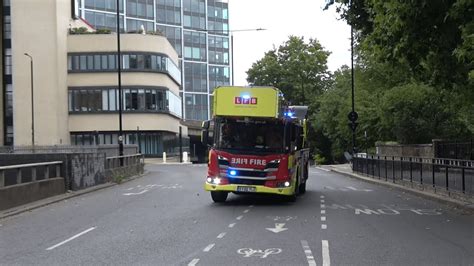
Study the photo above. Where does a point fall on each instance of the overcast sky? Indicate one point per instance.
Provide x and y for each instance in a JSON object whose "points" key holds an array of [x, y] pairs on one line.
{"points": [[283, 18]]}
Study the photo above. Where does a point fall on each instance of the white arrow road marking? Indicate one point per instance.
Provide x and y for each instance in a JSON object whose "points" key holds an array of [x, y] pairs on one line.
{"points": [[278, 228], [71, 238], [308, 253], [326, 258]]}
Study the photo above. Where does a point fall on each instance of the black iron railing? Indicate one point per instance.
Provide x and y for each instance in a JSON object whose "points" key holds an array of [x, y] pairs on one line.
{"points": [[448, 174]]}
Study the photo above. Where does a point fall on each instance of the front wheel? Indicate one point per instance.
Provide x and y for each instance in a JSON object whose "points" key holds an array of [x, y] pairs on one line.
{"points": [[219, 196]]}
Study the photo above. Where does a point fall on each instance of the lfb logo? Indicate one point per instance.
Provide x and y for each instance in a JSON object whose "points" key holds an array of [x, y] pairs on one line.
{"points": [[245, 100]]}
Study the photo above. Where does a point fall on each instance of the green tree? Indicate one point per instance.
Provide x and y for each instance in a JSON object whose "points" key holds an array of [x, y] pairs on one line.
{"points": [[298, 68]]}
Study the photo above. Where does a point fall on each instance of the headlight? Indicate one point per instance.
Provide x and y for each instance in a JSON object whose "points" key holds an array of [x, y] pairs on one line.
{"points": [[216, 180], [219, 157]]}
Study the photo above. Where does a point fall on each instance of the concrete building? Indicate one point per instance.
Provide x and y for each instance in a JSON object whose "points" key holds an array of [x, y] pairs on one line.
{"points": [[197, 29], [75, 82]]}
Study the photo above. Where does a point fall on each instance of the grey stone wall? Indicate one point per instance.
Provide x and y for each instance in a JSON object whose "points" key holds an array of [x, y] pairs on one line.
{"points": [[398, 150]]}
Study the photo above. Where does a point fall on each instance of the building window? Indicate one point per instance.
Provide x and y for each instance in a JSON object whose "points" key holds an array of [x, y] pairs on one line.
{"points": [[134, 25], [195, 46], [196, 106], [194, 14], [218, 76], [195, 77], [140, 9], [130, 62], [218, 17], [173, 34], [105, 5], [135, 99], [100, 20], [168, 12], [218, 50]]}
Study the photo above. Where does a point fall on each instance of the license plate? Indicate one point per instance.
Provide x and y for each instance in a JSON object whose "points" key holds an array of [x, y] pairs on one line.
{"points": [[246, 189]]}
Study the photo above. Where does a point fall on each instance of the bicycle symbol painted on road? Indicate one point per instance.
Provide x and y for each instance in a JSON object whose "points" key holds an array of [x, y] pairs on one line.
{"points": [[248, 252]]}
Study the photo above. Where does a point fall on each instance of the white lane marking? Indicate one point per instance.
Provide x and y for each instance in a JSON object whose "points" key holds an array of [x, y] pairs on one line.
{"points": [[322, 196], [353, 188], [323, 218], [322, 201], [137, 193], [323, 206], [324, 226], [208, 247], [308, 253], [71, 238], [193, 262], [250, 206], [323, 211], [240, 217], [326, 258], [221, 235], [246, 211], [231, 225]]}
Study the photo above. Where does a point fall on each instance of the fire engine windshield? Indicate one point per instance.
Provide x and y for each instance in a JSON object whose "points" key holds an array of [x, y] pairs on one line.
{"points": [[261, 135]]}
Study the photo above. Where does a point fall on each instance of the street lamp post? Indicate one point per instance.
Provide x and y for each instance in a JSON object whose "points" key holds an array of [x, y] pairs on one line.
{"points": [[232, 47], [119, 72], [32, 103]]}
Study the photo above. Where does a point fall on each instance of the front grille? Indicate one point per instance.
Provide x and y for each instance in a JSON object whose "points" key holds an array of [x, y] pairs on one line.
{"points": [[246, 182], [251, 173]]}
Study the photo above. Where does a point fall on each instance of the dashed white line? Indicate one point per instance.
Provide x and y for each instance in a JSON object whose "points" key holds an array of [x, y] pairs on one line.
{"points": [[193, 262], [322, 196], [320, 168], [352, 188], [221, 235], [326, 258], [323, 211], [323, 218], [246, 211], [308, 253], [322, 201], [250, 206], [324, 226], [231, 225], [206, 249], [239, 217], [71, 238], [323, 206]]}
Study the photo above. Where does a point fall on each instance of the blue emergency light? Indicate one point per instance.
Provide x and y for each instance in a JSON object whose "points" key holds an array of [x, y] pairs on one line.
{"points": [[232, 172]]}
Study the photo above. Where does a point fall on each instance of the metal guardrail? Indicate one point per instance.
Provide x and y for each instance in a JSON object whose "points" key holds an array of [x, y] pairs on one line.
{"points": [[19, 171], [448, 174], [128, 160]]}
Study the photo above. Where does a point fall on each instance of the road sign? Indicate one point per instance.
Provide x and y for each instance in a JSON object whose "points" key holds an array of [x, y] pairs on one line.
{"points": [[353, 116]]}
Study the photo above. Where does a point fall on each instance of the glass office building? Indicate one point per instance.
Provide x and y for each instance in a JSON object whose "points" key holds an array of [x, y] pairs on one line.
{"points": [[197, 29]]}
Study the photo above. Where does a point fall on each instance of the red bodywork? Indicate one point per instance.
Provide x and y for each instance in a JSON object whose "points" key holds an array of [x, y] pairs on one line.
{"points": [[248, 162]]}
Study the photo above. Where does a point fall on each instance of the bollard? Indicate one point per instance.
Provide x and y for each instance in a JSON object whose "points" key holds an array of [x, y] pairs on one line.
{"points": [[185, 157], [164, 157]]}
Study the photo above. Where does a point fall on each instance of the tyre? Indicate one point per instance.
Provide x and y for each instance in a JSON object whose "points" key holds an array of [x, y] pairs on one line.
{"points": [[303, 188], [219, 196]]}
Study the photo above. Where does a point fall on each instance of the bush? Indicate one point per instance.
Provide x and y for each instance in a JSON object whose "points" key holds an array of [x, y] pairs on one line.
{"points": [[319, 159], [80, 30]]}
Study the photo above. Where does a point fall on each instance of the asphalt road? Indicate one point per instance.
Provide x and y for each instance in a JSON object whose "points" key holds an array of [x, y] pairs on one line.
{"points": [[165, 218]]}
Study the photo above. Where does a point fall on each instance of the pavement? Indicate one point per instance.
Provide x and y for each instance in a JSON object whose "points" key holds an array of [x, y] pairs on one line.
{"points": [[459, 201], [165, 218]]}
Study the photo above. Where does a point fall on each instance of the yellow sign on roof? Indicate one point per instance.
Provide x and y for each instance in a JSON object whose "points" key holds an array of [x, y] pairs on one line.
{"points": [[247, 101]]}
